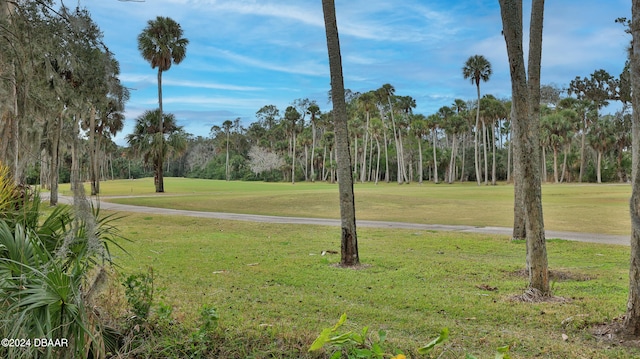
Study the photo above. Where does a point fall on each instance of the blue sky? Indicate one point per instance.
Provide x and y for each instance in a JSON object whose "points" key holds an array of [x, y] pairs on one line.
{"points": [[245, 54]]}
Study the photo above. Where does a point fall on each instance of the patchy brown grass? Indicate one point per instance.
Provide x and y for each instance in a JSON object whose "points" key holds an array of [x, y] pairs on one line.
{"points": [[611, 334]]}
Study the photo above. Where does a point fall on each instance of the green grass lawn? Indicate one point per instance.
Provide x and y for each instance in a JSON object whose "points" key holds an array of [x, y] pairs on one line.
{"points": [[589, 208], [275, 291]]}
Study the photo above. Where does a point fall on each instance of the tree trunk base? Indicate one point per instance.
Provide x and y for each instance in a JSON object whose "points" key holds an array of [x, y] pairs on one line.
{"points": [[618, 333], [533, 295]]}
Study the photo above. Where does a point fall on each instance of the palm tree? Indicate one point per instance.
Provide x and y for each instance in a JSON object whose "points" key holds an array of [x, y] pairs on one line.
{"points": [[349, 239], [432, 122], [493, 111], [381, 106], [387, 93], [477, 68], [226, 125], [292, 117], [366, 102], [558, 126], [161, 44], [621, 131], [314, 111], [419, 127], [454, 125], [405, 104], [462, 110], [144, 139], [377, 128], [602, 138]]}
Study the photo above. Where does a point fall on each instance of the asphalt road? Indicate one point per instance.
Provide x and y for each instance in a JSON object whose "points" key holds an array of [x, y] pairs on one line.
{"points": [[572, 236]]}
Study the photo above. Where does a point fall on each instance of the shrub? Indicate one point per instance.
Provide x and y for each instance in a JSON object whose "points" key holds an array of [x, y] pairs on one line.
{"points": [[46, 287]]}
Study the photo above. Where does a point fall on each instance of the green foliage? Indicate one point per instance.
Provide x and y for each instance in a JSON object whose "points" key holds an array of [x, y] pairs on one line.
{"points": [[352, 345], [208, 318], [358, 345], [41, 299], [46, 283], [175, 342], [139, 293], [444, 335], [160, 334], [201, 342], [164, 312]]}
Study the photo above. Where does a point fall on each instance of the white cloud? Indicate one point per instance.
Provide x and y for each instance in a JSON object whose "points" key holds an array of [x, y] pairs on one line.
{"points": [[207, 101], [307, 67], [149, 79], [210, 85]]}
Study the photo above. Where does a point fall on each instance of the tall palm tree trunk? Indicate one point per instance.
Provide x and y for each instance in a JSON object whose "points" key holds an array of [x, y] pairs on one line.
{"points": [[363, 167], [582, 146], [402, 159], [306, 162], [464, 150], [313, 150], [564, 163], [435, 159], [386, 157], [484, 150], [355, 155], [378, 161], [493, 156], [324, 161], [420, 160], [556, 178], [349, 239], [370, 161], [476, 154], [452, 162], [599, 166], [226, 164], [509, 151], [160, 157], [293, 157], [543, 165]]}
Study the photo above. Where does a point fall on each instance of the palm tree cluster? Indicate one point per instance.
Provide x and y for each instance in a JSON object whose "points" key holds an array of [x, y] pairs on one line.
{"points": [[61, 97], [389, 142]]}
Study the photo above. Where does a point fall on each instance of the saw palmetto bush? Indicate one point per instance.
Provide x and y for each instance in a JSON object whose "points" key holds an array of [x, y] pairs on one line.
{"points": [[48, 275]]}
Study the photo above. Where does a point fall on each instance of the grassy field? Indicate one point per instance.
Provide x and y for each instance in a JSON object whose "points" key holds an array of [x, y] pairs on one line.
{"points": [[275, 291], [586, 208]]}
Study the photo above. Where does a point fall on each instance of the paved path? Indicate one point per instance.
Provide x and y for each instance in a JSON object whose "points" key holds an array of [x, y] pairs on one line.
{"points": [[572, 236]]}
